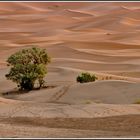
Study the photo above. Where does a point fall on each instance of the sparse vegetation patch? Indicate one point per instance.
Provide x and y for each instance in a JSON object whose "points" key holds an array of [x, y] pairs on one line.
{"points": [[137, 101], [86, 77]]}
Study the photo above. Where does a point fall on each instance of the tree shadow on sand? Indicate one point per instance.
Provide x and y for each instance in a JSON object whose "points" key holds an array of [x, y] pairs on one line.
{"points": [[18, 91]]}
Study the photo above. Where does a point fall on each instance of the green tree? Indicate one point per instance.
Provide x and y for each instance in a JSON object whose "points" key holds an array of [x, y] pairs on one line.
{"points": [[86, 77], [27, 67]]}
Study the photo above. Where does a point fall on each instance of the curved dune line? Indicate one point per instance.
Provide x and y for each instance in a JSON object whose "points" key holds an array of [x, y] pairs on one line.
{"points": [[133, 53], [131, 21], [97, 66], [100, 74], [100, 45], [67, 52]]}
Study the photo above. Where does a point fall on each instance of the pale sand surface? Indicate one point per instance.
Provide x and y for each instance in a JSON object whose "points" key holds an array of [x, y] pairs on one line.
{"points": [[102, 38]]}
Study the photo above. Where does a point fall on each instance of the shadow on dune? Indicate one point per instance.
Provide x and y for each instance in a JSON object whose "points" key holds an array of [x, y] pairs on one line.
{"points": [[16, 91]]}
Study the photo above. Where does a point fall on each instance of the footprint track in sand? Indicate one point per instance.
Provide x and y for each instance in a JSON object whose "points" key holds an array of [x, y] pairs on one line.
{"points": [[60, 93]]}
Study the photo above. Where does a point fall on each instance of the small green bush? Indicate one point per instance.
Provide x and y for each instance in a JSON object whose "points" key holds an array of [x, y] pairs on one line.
{"points": [[86, 77]]}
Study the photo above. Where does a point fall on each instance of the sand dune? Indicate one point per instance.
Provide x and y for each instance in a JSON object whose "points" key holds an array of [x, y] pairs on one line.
{"points": [[101, 38], [114, 92]]}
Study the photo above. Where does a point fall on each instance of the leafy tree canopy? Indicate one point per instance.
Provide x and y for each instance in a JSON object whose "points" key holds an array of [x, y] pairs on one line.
{"points": [[27, 67]]}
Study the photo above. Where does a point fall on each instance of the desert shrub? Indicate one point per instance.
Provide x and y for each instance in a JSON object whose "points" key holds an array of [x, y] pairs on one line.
{"points": [[27, 67], [110, 77], [137, 101], [88, 102], [86, 77], [108, 33]]}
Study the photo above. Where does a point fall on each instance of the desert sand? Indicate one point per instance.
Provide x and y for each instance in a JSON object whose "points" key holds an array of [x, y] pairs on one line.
{"points": [[101, 38]]}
